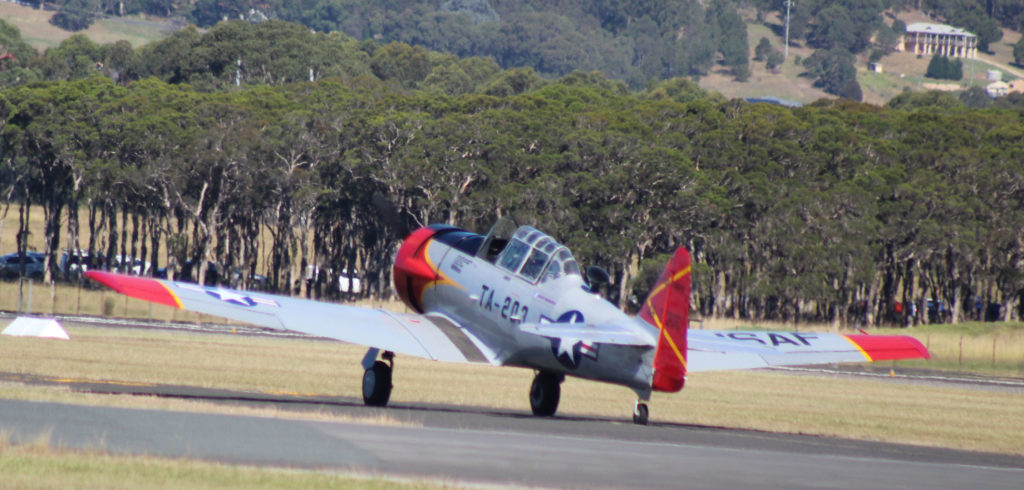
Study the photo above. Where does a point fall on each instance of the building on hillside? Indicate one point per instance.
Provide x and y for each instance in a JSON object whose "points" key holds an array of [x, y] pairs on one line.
{"points": [[997, 89], [930, 39]]}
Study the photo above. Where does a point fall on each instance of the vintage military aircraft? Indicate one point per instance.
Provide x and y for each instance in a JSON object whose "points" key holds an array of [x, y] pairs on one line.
{"points": [[516, 297]]}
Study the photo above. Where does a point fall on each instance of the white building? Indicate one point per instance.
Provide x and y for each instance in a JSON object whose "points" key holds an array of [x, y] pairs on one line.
{"points": [[929, 39], [997, 89]]}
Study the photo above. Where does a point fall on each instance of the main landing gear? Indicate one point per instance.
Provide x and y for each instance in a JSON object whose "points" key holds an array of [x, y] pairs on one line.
{"points": [[377, 378], [640, 413], [545, 392]]}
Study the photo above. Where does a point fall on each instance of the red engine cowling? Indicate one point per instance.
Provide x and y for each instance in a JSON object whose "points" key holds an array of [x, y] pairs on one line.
{"points": [[413, 271]]}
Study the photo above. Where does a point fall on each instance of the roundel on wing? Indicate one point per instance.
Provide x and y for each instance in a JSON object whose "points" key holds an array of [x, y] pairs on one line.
{"points": [[569, 352]]}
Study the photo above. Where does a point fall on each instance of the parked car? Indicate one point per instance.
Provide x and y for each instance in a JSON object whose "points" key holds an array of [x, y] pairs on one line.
{"points": [[74, 264], [348, 282], [11, 265]]}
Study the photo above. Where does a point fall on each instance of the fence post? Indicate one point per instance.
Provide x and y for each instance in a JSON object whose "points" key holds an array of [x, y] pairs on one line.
{"points": [[993, 351], [960, 357]]}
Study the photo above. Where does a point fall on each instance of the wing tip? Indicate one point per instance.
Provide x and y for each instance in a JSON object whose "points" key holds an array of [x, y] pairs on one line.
{"points": [[142, 288], [890, 347]]}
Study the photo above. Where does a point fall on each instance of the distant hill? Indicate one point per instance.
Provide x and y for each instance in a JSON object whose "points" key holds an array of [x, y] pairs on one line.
{"points": [[556, 38], [37, 31], [901, 71]]}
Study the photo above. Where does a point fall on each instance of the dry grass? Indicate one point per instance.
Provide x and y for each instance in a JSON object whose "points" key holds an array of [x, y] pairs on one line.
{"points": [[214, 361], [37, 464], [786, 84], [989, 348], [36, 28], [860, 409], [62, 394]]}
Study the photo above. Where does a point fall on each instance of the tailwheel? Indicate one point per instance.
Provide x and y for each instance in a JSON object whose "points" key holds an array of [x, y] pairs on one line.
{"points": [[640, 413], [377, 382], [544, 393]]}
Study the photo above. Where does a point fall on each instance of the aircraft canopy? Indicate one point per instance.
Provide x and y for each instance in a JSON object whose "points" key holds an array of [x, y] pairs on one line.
{"points": [[536, 256]]}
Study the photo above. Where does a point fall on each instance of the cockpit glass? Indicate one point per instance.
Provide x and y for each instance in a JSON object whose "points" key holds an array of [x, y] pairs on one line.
{"points": [[569, 265], [534, 255], [513, 255], [563, 264], [534, 265]]}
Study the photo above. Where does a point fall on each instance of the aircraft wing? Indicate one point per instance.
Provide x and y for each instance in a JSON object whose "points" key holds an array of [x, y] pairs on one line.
{"points": [[405, 333], [710, 350], [605, 333]]}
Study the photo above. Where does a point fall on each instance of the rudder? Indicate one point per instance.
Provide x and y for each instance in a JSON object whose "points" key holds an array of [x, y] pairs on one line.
{"points": [[668, 308]]}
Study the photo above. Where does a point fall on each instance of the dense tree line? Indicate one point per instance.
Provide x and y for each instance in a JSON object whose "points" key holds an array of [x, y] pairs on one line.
{"points": [[835, 211], [271, 53], [634, 41]]}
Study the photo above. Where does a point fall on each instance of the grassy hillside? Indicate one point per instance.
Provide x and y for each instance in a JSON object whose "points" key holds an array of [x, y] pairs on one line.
{"points": [[901, 71], [36, 28]]}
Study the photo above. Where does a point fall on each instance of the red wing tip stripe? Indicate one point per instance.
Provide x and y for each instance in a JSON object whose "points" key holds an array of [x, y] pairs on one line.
{"points": [[137, 287], [889, 347]]}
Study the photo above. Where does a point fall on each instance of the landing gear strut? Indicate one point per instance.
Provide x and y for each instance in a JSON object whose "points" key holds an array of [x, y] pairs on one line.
{"points": [[545, 392], [377, 381], [640, 413]]}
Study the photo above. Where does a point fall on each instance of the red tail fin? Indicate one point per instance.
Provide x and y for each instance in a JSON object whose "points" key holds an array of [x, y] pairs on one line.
{"points": [[668, 308]]}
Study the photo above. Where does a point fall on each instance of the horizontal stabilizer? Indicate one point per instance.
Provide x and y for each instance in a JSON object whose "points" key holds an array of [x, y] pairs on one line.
{"points": [[711, 350], [602, 334]]}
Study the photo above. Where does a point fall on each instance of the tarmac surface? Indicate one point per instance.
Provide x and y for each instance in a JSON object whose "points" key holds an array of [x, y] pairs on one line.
{"points": [[476, 445]]}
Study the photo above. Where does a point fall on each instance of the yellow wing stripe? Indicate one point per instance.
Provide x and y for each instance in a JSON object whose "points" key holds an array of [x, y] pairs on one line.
{"points": [[177, 301], [861, 349]]}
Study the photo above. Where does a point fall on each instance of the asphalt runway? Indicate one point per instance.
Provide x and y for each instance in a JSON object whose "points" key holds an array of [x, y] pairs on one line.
{"points": [[478, 445], [481, 445]]}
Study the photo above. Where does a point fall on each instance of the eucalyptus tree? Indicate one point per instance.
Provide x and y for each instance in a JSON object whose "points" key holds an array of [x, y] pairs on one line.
{"points": [[56, 135]]}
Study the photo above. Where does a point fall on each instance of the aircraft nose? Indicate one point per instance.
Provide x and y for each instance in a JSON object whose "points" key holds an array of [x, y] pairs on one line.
{"points": [[412, 271]]}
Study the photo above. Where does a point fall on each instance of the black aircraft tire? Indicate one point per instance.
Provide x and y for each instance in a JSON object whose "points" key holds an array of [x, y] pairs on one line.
{"points": [[640, 414], [544, 394], [377, 385]]}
